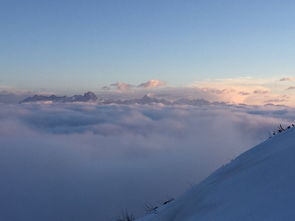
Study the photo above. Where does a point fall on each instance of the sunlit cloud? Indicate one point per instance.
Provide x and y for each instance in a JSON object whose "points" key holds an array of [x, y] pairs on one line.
{"points": [[291, 88], [252, 91], [121, 86], [261, 91], [277, 100], [152, 84], [287, 79], [247, 90]]}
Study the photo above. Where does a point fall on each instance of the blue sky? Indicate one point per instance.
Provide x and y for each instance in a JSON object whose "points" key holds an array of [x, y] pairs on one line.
{"points": [[87, 44]]}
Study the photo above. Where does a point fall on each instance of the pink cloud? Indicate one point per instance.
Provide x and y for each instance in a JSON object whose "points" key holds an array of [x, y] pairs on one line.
{"points": [[286, 79], [260, 91], [152, 84], [121, 86]]}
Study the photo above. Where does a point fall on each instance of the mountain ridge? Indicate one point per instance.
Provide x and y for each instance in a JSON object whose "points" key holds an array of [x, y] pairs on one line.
{"points": [[91, 97], [87, 97]]}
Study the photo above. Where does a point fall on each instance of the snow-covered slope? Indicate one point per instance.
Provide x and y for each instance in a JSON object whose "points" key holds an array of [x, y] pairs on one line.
{"points": [[257, 185]]}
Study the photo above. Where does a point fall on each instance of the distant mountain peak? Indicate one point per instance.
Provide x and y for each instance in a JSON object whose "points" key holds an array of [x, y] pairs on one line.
{"points": [[87, 97], [91, 97]]}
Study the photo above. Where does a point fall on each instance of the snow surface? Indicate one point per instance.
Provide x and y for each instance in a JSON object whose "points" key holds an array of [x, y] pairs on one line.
{"points": [[257, 185]]}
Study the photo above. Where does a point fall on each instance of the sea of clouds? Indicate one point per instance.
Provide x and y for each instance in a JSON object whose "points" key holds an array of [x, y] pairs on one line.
{"points": [[90, 162]]}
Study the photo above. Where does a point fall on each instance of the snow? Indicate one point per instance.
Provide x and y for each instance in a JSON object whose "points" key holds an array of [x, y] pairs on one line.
{"points": [[257, 185]]}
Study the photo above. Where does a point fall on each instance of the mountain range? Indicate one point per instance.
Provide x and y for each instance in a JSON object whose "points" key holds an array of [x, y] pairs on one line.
{"points": [[91, 97], [87, 97]]}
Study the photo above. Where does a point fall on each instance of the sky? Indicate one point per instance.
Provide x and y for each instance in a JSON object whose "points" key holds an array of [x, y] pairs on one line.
{"points": [[78, 45], [89, 161]]}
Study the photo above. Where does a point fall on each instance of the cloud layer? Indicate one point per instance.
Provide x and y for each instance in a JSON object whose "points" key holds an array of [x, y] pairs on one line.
{"points": [[251, 91], [246, 90], [90, 162]]}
